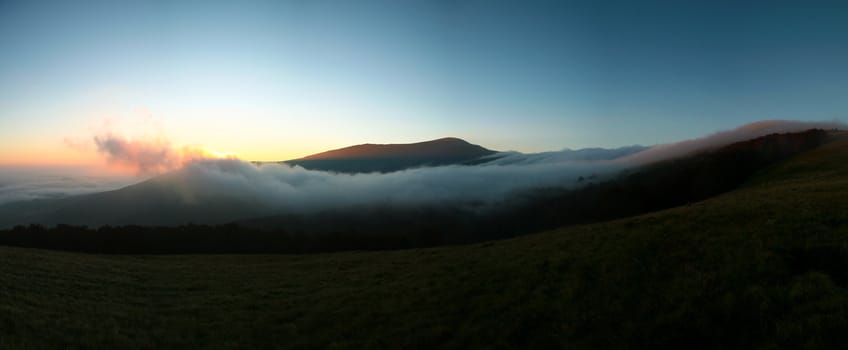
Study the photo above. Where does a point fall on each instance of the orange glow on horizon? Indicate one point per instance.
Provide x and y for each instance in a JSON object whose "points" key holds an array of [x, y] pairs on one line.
{"points": [[44, 155], [211, 153]]}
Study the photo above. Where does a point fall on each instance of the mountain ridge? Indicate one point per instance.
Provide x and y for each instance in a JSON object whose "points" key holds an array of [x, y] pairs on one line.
{"points": [[759, 267], [368, 150], [179, 198], [370, 157]]}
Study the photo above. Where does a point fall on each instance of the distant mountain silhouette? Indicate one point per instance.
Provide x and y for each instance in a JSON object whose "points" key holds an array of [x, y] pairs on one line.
{"points": [[368, 158]]}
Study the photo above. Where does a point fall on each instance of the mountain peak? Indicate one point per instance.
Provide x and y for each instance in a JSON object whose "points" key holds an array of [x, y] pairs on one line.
{"points": [[450, 139], [446, 146], [392, 157]]}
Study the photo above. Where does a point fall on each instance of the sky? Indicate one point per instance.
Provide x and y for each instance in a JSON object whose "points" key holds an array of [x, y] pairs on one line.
{"points": [[283, 79]]}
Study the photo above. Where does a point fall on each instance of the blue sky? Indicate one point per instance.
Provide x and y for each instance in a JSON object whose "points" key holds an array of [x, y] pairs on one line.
{"points": [[281, 79]]}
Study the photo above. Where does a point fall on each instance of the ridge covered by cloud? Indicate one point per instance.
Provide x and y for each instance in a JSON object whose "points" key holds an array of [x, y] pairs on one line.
{"points": [[723, 138], [294, 189], [196, 177]]}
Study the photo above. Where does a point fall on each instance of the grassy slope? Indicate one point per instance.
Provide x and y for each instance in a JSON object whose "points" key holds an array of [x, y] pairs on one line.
{"points": [[762, 266]]}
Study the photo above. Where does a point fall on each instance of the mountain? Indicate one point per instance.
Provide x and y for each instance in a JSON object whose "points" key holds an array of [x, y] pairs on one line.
{"points": [[633, 191], [179, 197], [202, 195], [368, 158], [760, 267]]}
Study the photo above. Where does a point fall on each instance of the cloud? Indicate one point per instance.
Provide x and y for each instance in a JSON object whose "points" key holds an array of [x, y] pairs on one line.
{"points": [[24, 184], [286, 188], [148, 156], [294, 189], [722, 138], [203, 186], [585, 154], [282, 188], [138, 143]]}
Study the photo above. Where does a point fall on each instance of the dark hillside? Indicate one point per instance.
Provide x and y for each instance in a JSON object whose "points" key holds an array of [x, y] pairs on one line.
{"points": [[667, 184]]}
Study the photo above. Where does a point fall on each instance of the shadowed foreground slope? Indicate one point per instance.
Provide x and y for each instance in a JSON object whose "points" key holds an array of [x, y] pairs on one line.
{"points": [[760, 267]]}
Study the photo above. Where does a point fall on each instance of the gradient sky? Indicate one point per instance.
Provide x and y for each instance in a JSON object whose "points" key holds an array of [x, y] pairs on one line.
{"points": [[283, 79]]}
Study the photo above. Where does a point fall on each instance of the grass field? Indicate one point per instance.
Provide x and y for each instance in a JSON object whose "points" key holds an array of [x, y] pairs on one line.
{"points": [[764, 266]]}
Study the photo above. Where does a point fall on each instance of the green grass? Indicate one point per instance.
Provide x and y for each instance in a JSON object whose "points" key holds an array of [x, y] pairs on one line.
{"points": [[765, 266]]}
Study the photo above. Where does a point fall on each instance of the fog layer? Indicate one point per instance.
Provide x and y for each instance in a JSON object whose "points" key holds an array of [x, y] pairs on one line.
{"points": [[276, 188], [294, 189]]}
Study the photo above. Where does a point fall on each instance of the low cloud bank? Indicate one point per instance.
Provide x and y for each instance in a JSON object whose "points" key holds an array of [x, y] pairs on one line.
{"points": [[567, 155], [294, 189], [723, 138], [24, 184], [199, 178]]}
